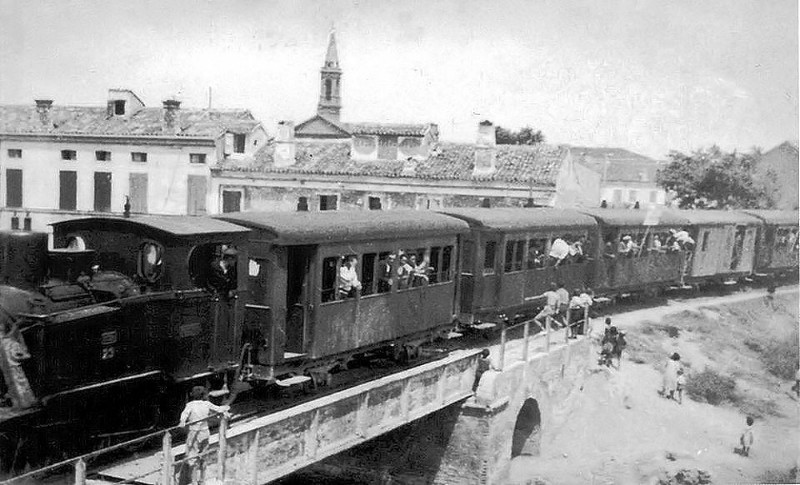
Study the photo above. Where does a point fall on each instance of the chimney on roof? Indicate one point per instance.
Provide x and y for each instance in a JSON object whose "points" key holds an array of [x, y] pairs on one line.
{"points": [[485, 149], [171, 107], [285, 148], [43, 108]]}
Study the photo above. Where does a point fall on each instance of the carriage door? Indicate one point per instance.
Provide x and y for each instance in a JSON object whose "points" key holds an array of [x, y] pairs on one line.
{"points": [[297, 311]]}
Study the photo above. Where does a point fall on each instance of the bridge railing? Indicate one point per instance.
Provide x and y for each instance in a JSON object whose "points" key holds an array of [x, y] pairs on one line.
{"points": [[78, 465], [526, 334]]}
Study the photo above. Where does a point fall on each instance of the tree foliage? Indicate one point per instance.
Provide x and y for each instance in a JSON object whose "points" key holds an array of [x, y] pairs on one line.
{"points": [[524, 136], [714, 179]]}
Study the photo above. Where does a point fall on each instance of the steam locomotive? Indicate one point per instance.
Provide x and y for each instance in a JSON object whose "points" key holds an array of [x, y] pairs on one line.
{"points": [[102, 336]]}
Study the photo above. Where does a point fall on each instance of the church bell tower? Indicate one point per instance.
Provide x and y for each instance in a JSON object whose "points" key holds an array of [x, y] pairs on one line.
{"points": [[330, 102]]}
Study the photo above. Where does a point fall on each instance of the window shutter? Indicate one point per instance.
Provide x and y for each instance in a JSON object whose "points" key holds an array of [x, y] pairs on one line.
{"points": [[228, 143]]}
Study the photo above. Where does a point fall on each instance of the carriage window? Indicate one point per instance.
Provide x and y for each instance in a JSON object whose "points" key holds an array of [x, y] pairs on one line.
{"points": [[253, 268], [519, 254], [447, 261], [537, 253], [509, 256], [329, 271], [386, 271], [368, 274], [705, 240], [436, 265], [489, 257], [150, 261]]}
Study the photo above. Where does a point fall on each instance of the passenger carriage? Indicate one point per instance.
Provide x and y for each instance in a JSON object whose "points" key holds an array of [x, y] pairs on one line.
{"points": [[653, 263], [776, 242], [294, 300], [724, 245], [505, 260]]}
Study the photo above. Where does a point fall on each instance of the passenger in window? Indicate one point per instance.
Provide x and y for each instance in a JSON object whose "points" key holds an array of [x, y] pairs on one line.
{"points": [[683, 239], [348, 278], [559, 250], [404, 272], [386, 280], [608, 250], [223, 276], [576, 252], [420, 272], [627, 247], [655, 244]]}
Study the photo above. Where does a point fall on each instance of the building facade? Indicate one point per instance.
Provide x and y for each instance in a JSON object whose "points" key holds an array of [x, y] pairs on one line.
{"points": [[325, 163], [61, 161], [783, 162], [626, 178]]}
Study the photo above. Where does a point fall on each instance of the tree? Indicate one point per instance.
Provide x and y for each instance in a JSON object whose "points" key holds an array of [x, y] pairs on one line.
{"points": [[525, 136], [714, 179]]}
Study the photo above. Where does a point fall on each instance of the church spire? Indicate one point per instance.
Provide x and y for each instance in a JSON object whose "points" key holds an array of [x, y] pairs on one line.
{"points": [[332, 57], [330, 103]]}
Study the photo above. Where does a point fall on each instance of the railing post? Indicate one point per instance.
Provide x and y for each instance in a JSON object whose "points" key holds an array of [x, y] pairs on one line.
{"points": [[166, 466], [567, 327], [80, 472], [586, 326], [223, 448], [253, 456], [503, 338], [525, 334], [547, 321]]}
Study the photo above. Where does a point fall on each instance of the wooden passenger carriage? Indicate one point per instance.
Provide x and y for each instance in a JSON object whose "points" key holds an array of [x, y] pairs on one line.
{"points": [[505, 264], [724, 244], [776, 241], [294, 302], [652, 264]]}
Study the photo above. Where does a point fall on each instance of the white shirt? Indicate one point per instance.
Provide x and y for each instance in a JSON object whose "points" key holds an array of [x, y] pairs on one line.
{"points": [[348, 278], [559, 249], [197, 410]]}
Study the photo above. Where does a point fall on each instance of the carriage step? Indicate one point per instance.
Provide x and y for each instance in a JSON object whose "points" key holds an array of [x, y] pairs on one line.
{"points": [[484, 326], [601, 299], [452, 335], [292, 381], [729, 282]]}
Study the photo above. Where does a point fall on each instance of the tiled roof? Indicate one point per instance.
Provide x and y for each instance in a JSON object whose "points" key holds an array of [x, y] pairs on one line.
{"points": [[517, 164], [80, 120], [617, 164], [385, 129]]}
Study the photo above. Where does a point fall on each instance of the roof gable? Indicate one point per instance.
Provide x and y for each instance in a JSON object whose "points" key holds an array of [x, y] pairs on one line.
{"points": [[320, 127]]}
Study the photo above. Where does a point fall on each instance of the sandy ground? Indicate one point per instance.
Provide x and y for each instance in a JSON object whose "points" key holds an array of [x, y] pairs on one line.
{"points": [[625, 433]]}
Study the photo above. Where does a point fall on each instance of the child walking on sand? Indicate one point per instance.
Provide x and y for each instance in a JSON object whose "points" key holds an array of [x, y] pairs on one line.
{"points": [[746, 439], [679, 385]]}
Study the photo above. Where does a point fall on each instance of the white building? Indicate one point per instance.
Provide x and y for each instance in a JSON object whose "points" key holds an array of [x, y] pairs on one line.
{"points": [[626, 178], [61, 161]]}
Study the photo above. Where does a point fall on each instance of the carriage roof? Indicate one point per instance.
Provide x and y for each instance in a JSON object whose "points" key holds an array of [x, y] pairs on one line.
{"points": [[520, 219], [291, 228], [699, 217], [174, 226], [638, 217], [776, 217]]}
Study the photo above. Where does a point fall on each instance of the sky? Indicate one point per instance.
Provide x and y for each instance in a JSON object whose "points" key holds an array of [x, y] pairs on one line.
{"points": [[646, 75]]}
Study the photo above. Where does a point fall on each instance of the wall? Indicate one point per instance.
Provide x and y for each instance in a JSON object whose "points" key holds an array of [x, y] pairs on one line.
{"points": [[642, 195], [262, 194], [168, 168], [576, 185]]}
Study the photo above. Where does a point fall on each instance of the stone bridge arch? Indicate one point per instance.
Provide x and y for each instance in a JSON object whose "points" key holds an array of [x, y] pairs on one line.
{"points": [[527, 435]]}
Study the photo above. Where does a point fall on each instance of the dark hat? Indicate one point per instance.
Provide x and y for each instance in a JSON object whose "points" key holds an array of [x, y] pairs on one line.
{"points": [[230, 252], [198, 392], [676, 356]]}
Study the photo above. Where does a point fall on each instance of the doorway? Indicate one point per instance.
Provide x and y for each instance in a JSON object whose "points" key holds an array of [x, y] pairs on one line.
{"points": [[297, 268]]}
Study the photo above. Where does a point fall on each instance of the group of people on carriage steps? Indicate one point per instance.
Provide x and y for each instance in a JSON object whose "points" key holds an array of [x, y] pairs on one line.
{"points": [[558, 303]]}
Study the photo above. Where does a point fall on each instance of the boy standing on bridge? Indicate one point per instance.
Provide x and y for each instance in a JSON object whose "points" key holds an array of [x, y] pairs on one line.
{"points": [[195, 416]]}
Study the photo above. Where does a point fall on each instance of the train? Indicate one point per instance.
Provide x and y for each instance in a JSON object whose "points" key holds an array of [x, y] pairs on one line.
{"points": [[103, 335]]}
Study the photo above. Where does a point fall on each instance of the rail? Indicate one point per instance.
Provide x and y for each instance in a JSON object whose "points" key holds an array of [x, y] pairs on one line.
{"points": [[80, 463], [526, 337]]}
